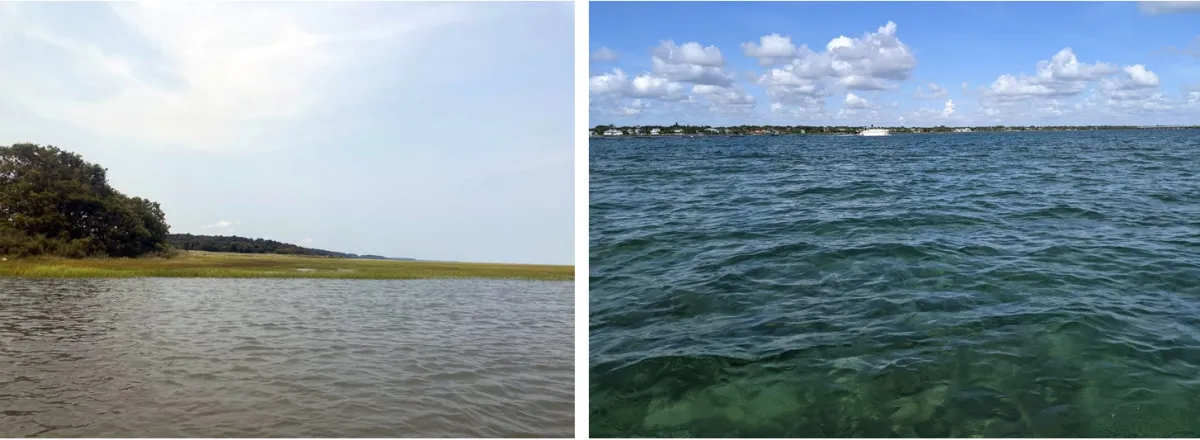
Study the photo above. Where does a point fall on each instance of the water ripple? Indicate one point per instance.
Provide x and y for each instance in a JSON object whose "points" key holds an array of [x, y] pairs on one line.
{"points": [[1024, 284], [285, 358]]}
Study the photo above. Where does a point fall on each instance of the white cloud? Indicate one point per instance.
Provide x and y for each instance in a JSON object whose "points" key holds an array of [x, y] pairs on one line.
{"points": [[604, 54], [1140, 77], [657, 87], [1168, 7], [935, 92], [608, 83], [798, 106], [860, 82], [224, 226], [237, 64], [307, 241], [689, 53], [1138, 84], [770, 49], [873, 62], [1062, 75], [618, 85], [878, 55], [675, 67], [1131, 93], [855, 102], [724, 99], [925, 116], [1065, 66], [691, 63]]}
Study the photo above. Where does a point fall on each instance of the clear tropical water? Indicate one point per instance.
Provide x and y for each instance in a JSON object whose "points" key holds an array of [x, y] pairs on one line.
{"points": [[1006, 284], [285, 358]]}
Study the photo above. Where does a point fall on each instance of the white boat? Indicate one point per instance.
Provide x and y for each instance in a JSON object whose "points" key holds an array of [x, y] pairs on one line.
{"points": [[874, 132]]}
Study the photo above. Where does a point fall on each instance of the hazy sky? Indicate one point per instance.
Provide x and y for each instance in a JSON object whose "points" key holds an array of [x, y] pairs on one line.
{"points": [[895, 63], [435, 131]]}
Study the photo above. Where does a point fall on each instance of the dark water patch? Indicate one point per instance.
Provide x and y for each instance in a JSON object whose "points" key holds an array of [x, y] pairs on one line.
{"points": [[285, 358], [999, 285]]}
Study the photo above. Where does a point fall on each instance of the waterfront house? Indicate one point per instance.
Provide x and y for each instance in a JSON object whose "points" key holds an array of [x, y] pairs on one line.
{"points": [[613, 132], [654, 131]]}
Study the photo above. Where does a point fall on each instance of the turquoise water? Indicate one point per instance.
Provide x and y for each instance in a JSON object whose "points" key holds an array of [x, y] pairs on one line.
{"points": [[983, 284]]}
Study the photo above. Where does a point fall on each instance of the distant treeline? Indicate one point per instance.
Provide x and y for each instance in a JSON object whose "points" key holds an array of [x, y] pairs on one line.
{"points": [[667, 130], [52, 202], [242, 245]]}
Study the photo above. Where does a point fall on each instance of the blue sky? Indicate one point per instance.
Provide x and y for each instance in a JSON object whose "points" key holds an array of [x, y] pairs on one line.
{"points": [[428, 130], [874, 63]]}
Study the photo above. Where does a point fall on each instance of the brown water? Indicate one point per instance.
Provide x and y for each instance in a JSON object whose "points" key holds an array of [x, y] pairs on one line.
{"points": [[285, 358]]}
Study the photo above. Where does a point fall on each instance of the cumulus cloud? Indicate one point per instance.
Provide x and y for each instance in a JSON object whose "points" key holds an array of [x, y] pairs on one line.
{"points": [[1116, 95], [877, 55], [797, 82], [1168, 7], [1062, 75], [604, 54], [617, 84], [1140, 77], [691, 62], [675, 68], [1116, 92], [935, 92], [874, 61], [656, 87], [1138, 83], [770, 49], [607, 83], [725, 98], [855, 102]]}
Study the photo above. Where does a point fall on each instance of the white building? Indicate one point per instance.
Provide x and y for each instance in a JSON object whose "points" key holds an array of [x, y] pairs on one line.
{"points": [[613, 132], [655, 131]]}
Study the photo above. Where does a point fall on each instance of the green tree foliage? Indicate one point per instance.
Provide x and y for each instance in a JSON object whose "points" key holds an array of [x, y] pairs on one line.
{"points": [[53, 202], [241, 245]]}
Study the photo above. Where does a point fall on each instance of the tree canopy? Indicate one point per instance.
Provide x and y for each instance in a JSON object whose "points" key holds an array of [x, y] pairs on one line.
{"points": [[242, 245], [53, 202]]}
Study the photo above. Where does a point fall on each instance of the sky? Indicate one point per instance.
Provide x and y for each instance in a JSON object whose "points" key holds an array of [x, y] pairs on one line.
{"points": [[440, 131], [894, 63]]}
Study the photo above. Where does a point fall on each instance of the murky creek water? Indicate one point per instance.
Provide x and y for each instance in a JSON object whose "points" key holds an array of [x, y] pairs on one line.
{"points": [[285, 358]]}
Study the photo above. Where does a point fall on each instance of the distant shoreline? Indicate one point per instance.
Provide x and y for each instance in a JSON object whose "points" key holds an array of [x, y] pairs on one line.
{"points": [[773, 130], [200, 264]]}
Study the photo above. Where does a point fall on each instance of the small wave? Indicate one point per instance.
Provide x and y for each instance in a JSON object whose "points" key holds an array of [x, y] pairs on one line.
{"points": [[1033, 284]]}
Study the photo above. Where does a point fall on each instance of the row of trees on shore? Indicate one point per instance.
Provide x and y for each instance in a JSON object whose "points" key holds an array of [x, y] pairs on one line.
{"points": [[243, 245], [676, 129], [52, 202]]}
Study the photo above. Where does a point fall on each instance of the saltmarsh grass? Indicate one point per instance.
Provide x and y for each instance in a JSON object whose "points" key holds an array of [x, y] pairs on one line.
{"points": [[196, 264]]}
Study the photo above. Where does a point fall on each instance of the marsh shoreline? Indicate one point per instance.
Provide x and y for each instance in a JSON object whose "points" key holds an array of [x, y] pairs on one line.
{"points": [[199, 264]]}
